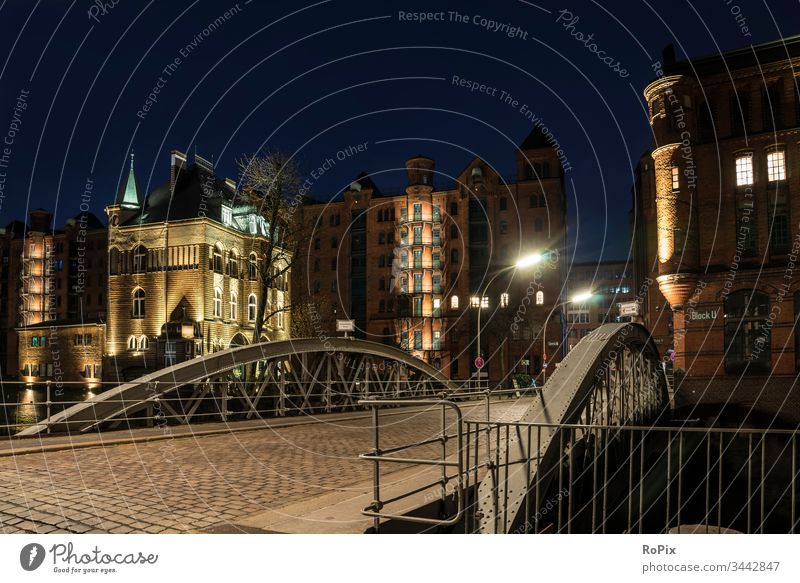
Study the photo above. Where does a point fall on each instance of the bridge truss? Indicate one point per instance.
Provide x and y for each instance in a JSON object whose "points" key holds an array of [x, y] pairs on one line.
{"points": [[303, 375]]}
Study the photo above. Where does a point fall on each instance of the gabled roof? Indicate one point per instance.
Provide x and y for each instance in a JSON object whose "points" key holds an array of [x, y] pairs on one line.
{"points": [[89, 221], [366, 182], [536, 139]]}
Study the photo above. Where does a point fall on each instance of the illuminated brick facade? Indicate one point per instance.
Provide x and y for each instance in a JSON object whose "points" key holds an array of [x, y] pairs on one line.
{"points": [[409, 267], [723, 190]]}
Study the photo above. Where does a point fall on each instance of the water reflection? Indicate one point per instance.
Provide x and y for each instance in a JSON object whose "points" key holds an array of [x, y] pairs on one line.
{"points": [[23, 407]]}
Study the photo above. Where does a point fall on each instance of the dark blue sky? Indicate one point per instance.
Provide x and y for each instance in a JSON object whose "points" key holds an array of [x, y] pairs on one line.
{"points": [[313, 78]]}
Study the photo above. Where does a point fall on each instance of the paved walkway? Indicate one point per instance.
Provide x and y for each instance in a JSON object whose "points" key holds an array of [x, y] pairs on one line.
{"points": [[217, 480]]}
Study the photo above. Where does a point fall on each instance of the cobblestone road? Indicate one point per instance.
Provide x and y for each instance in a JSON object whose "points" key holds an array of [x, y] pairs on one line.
{"points": [[190, 484]]}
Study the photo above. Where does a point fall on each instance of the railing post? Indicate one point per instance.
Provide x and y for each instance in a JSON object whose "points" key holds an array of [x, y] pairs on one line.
{"points": [[225, 390], [376, 471], [48, 403]]}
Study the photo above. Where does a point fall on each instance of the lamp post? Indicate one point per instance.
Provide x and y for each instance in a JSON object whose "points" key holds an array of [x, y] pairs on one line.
{"points": [[578, 299], [522, 262]]}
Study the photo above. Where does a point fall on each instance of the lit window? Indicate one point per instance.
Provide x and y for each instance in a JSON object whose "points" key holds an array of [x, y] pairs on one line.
{"points": [[143, 342], [453, 302], [475, 302], [138, 303], [484, 302], [139, 259], [251, 308], [744, 170], [132, 343], [251, 266], [234, 306], [217, 303], [227, 216], [539, 298], [504, 300], [676, 178], [776, 165], [437, 340], [437, 307]]}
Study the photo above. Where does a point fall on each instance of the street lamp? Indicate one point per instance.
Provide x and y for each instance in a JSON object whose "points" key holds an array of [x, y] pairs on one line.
{"points": [[522, 262], [580, 298]]}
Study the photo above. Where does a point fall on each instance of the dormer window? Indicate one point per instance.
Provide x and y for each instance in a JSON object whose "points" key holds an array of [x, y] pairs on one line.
{"points": [[253, 225], [227, 216]]}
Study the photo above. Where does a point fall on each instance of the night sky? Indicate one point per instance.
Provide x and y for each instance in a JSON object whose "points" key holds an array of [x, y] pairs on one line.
{"points": [[313, 78]]}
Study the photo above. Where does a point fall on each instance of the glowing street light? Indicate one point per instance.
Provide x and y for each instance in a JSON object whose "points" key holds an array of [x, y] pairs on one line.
{"points": [[521, 263]]}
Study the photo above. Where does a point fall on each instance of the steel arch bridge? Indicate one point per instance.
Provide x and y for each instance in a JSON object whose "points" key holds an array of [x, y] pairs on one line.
{"points": [[612, 378], [306, 374]]}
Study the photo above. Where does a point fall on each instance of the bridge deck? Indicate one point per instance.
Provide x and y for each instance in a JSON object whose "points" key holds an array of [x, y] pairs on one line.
{"points": [[284, 475]]}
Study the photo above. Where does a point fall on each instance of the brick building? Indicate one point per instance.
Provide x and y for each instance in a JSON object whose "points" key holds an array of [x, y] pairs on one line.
{"points": [[610, 282], [410, 268], [53, 299], [718, 209], [184, 271]]}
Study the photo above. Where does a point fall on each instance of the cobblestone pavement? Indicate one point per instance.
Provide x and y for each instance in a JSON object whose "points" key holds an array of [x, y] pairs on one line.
{"points": [[192, 483]]}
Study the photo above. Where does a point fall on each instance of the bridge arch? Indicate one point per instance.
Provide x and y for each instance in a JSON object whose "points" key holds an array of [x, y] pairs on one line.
{"points": [[308, 374], [612, 378]]}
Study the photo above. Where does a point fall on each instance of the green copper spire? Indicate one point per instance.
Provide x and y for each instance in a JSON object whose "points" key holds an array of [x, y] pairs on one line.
{"points": [[128, 196]]}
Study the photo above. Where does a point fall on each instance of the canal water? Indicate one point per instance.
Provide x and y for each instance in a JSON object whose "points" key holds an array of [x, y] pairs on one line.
{"points": [[23, 407]]}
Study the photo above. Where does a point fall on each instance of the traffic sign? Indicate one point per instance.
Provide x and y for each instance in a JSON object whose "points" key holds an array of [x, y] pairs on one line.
{"points": [[479, 362]]}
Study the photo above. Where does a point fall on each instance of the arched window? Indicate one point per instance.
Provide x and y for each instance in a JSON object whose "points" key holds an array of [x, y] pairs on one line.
{"points": [[132, 343], [453, 302], [539, 298], [252, 264], [139, 259], [234, 306], [217, 258], [233, 263], [747, 338], [114, 261], [143, 343], [251, 308], [403, 236], [538, 225], [453, 232], [217, 302], [137, 310]]}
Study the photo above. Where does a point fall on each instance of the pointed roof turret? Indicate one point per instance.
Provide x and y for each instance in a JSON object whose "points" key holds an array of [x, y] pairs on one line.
{"points": [[128, 194]]}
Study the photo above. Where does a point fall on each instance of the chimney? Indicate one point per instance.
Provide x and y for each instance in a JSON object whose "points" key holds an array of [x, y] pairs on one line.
{"points": [[206, 165], [177, 163], [40, 220]]}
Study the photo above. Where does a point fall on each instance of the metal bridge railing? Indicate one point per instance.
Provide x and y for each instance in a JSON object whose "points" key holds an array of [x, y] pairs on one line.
{"points": [[607, 479], [610, 479], [180, 405]]}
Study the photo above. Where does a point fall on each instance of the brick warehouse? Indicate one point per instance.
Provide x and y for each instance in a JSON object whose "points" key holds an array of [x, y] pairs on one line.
{"points": [[718, 205], [410, 267], [163, 283]]}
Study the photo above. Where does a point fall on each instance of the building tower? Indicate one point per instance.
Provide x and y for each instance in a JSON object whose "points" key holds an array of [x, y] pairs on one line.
{"points": [[420, 274], [673, 121]]}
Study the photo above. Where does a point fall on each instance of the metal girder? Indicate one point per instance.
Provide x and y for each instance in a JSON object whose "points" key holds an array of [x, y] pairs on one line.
{"points": [[593, 385], [132, 396]]}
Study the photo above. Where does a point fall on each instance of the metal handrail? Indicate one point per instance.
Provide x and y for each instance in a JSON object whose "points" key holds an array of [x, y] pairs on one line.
{"points": [[376, 456]]}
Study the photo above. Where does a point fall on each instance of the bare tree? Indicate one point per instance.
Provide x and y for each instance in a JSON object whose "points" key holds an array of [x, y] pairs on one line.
{"points": [[271, 184]]}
